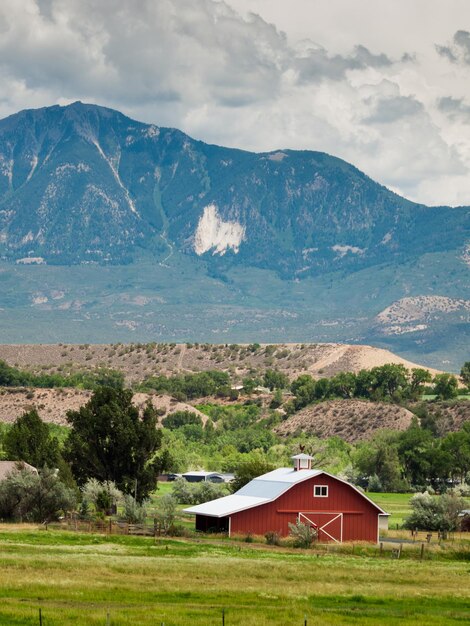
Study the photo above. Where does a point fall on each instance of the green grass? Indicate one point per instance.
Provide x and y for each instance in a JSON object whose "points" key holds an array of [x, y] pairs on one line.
{"points": [[77, 579], [397, 504]]}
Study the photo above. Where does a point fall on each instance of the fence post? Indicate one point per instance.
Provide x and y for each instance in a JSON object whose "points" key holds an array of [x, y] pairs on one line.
{"points": [[107, 619], [422, 552], [223, 617], [381, 548], [305, 620], [40, 617]]}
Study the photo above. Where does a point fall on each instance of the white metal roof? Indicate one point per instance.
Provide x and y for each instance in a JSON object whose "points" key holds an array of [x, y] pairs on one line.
{"points": [[198, 473], [261, 490], [265, 488], [226, 505]]}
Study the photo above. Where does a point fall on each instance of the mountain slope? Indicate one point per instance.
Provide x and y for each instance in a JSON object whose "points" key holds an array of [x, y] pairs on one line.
{"points": [[82, 182]]}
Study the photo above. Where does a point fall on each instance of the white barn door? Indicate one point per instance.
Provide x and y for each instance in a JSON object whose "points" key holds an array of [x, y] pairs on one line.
{"points": [[329, 526]]}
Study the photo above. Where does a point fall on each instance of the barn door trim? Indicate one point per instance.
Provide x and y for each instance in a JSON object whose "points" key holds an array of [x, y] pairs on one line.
{"points": [[322, 528]]}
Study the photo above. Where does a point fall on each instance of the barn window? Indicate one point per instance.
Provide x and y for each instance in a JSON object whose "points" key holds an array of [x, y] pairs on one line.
{"points": [[320, 491]]}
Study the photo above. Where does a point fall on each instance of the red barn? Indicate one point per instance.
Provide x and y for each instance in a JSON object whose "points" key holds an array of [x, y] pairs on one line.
{"points": [[335, 508]]}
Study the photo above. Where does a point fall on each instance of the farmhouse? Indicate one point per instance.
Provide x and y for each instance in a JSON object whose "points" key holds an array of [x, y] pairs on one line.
{"points": [[336, 509]]}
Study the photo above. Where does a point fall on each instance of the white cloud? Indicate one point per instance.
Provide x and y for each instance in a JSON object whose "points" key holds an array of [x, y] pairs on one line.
{"points": [[371, 81]]}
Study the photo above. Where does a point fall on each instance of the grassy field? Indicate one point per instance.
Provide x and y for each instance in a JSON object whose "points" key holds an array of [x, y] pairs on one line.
{"points": [[397, 504], [79, 578]]}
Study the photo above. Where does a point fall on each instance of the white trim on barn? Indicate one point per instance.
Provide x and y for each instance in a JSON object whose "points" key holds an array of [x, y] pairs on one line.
{"points": [[322, 528], [265, 488]]}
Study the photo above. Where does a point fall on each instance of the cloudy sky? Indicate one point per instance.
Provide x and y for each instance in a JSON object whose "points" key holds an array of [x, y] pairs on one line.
{"points": [[384, 84]]}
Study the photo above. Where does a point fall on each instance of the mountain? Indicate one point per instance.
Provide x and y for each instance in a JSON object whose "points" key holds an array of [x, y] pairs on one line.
{"points": [[83, 184]]}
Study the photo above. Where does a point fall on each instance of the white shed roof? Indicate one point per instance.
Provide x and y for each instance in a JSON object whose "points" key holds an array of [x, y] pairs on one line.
{"points": [[197, 473], [261, 490]]}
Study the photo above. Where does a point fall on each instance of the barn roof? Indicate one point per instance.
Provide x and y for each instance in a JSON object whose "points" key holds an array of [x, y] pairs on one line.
{"points": [[261, 490]]}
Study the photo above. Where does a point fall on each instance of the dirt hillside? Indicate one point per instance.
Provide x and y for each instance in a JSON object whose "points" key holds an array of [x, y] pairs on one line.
{"points": [[140, 360], [53, 404], [352, 420]]}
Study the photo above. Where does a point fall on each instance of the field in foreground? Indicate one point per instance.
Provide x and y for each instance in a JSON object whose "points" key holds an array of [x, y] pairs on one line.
{"points": [[77, 579]]}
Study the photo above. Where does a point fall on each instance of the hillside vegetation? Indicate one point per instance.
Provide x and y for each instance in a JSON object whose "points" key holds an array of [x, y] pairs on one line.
{"points": [[138, 360]]}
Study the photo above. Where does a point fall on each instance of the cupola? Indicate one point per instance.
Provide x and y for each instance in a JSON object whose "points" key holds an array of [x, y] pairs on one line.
{"points": [[302, 462]]}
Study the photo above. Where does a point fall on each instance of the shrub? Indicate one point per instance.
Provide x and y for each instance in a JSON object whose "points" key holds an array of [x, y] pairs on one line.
{"points": [[435, 513], [197, 493], [103, 495], [302, 534], [166, 512], [272, 538], [182, 491], [31, 497], [133, 512], [374, 484], [206, 491]]}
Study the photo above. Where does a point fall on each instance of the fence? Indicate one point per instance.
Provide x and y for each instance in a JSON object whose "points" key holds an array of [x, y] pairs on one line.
{"points": [[109, 527], [222, 619]]}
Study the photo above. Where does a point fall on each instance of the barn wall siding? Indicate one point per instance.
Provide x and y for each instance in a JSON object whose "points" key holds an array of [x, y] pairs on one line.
{"points": [[360, 517]]}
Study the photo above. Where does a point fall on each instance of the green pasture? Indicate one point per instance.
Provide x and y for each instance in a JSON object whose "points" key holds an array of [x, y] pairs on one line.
{"points": [[79, 578], [397, 504]]}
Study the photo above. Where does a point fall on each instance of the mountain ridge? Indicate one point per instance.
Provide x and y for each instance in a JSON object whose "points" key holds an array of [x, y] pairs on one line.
{"points": [[116, 230], [128, 186]]}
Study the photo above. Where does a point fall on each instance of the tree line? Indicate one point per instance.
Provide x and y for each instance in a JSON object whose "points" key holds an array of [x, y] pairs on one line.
{"points": [[85, 379], [388, 382]]}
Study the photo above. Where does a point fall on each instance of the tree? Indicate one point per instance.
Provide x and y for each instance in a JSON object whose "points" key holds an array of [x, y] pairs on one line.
{"points": [[390, 379], [465, 374], [181, 418], [445, 386], [303, 388], [322, 389], [109, 441], [277, 399], [273, 379], [249, 384], [365, 383], [248, 470], [415, 450], [29, 440], [12, 377], [457, 446], [379, 458], [344, 385], [419, 377]]}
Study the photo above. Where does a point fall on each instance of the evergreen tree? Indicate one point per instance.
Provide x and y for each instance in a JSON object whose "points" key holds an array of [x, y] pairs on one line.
{"points": [[29, 440], [110, 441]]}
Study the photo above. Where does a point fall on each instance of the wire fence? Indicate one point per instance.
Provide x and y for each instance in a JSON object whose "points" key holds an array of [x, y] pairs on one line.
{"points": [[219, 619]]}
